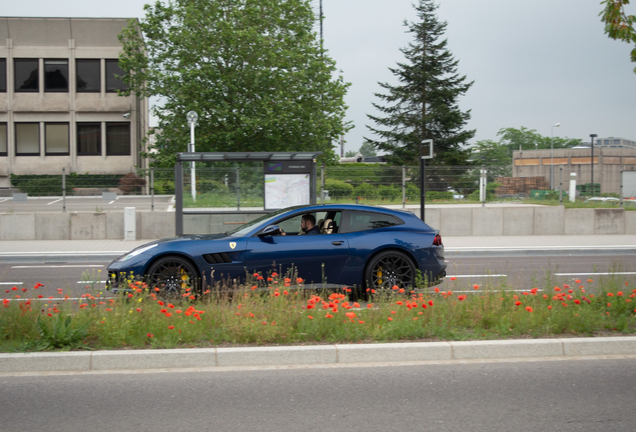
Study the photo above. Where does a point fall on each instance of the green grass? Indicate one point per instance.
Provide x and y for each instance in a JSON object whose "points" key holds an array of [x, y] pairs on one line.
{"points": [[273, 313]]}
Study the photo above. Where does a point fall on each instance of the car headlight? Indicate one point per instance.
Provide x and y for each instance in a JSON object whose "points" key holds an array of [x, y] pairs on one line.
{"points": [[136, 252]]}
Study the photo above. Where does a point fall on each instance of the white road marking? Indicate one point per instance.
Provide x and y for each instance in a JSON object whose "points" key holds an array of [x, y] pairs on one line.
{"points": [[11, 283], [59, 266], [90, 282], [594, 274], [476, 276], [54, 299], [112, 202], [53, 202], [3, 200]]}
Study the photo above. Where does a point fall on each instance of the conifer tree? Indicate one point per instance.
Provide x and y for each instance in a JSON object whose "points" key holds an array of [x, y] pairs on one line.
{"points": [[424, 104]]}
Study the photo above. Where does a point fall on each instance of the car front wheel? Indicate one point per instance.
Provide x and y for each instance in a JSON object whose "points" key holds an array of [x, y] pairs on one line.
{"points": [[388, 269], [172, 275]]}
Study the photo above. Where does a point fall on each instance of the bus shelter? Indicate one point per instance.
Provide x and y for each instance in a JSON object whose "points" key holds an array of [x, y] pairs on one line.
{"points": [[289, 178]]}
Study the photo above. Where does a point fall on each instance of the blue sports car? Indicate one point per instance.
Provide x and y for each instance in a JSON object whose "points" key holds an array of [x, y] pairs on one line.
{"points": [[332, 245]]}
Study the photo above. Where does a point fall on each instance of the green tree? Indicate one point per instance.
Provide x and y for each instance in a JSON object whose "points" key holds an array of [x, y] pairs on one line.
{"points": [[367, 150], [529, 139], [424, 103], [618, 24], [350, 153], [252, 69]]}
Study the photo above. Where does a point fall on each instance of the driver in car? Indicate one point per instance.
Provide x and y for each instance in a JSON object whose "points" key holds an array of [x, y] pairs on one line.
{"points": [[307, 225]]}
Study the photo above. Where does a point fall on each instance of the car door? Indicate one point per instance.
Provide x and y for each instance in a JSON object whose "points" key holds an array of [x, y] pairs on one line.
{"points": [[316, 258]]}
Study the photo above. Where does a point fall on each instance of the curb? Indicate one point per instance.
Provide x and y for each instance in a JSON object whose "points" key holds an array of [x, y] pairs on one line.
{"points": [[315, 355], [457, 252]]}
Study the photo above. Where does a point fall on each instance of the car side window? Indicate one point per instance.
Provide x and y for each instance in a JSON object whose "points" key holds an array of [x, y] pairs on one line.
{"points": [[354, 221]]}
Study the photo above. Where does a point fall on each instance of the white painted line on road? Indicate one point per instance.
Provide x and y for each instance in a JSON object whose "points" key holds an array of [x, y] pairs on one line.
{"points": [[53, 202], [11, 283], [90, 282], [553, 247], [112, 202], [475, 276], [595, 274], [88, 253], [53, 299], [59, 266], [3, 200]]}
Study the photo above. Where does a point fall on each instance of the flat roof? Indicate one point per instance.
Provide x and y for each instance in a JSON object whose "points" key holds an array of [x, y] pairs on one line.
{"points": [[247, 156]]}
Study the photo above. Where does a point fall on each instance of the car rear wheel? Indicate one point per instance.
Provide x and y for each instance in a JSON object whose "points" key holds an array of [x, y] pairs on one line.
{"points": [[172, 275], [388, 269]]}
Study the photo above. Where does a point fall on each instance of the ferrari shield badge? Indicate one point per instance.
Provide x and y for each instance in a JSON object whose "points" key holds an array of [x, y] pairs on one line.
{"points": [[232, 245]]}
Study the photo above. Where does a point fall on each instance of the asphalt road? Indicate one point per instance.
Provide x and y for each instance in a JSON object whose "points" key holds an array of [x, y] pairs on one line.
{"points": [[84, 204], [572, 395], [517, 273]]}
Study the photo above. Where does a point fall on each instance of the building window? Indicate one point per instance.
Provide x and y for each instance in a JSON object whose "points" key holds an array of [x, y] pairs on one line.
{"points": [[27, 139], [117, 139], [89, 139], [112, 83], [88, 76], [56, 75], [3, 75], [56, 139], [3, 139], [26, 75]]}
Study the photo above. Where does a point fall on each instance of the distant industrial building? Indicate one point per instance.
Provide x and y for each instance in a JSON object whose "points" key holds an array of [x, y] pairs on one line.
{"points": [[608, 164], [59, 106]]}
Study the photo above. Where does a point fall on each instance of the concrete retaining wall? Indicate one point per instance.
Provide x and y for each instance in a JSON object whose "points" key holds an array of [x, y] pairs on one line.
{"points": [[478, 221]]}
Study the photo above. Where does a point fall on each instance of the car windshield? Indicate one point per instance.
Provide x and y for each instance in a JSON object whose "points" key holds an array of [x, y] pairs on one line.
{"points": [[244, 229]]}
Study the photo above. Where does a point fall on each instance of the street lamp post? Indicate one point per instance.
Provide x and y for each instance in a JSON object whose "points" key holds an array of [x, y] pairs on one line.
{"points": [[592, 136], [552, 155], [192, 119]]}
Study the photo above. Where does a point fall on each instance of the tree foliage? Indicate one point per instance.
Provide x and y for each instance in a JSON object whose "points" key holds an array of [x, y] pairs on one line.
{"points": [[618, 24], [424, 105], [528, 139], [252, 69], [367, 150]]}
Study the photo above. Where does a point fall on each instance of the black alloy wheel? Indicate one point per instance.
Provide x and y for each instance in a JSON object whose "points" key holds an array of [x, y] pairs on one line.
{"points": [[388, 269], [172, 275]]}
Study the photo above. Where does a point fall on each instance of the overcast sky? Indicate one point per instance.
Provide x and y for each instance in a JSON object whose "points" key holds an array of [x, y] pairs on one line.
{"points": [[534, 63]]}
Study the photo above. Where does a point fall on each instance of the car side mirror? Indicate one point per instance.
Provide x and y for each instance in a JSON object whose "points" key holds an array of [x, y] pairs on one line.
{"points": [[270, 230]]}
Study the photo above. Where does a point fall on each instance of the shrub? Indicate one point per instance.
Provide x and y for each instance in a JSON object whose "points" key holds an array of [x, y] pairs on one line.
{"points": [[131, 183], [365, 190], [338, 189]]}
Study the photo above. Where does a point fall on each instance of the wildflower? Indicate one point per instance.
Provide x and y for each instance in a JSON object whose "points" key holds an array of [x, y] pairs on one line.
{"points": [[24, 290], [169, 314], [171, 327], [557, 289], [453, 278], [163, 310], [150, 335], [610, 294], [395, 288], [578, 281], [390, 319], [525, 293], [430, 302], [545, 296], [475, 287], [370, 305], [138, 309], [360, 322], [518, 303], [356, 305], [401, 290], [400, 303], [350, 315], [549, 307], [328, 316], [577, 301], [609, 305], [276, 294], [590, 280], [436, 289], [160, 303], [299, 280], [253, 287], [14, 289], [274, 274], [620, 293], [461, 297]]}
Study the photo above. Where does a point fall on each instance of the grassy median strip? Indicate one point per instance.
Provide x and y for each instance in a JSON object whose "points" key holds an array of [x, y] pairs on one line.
{"points": [[279, 310]]}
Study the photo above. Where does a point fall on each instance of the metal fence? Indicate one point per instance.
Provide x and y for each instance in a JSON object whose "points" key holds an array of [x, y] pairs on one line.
{"points": [[241, 186]]}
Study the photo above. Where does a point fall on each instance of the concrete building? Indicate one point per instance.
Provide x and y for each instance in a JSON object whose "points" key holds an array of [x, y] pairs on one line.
{"points": [[608, 164], [59, 106]]}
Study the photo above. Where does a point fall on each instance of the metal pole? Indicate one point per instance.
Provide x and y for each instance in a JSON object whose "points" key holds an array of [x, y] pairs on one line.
{"points": [[592, 136], [403, 186], [312, 184], [178, 198], [621, 191], [63, 190], [322, 184], [193, 176], [560, 185], [152, 189], [422, 191], [483, 185], [551, 158], [238, 188]]}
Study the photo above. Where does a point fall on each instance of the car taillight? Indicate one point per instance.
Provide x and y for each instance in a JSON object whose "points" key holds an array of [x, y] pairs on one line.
{"points": [[437, 241]]}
